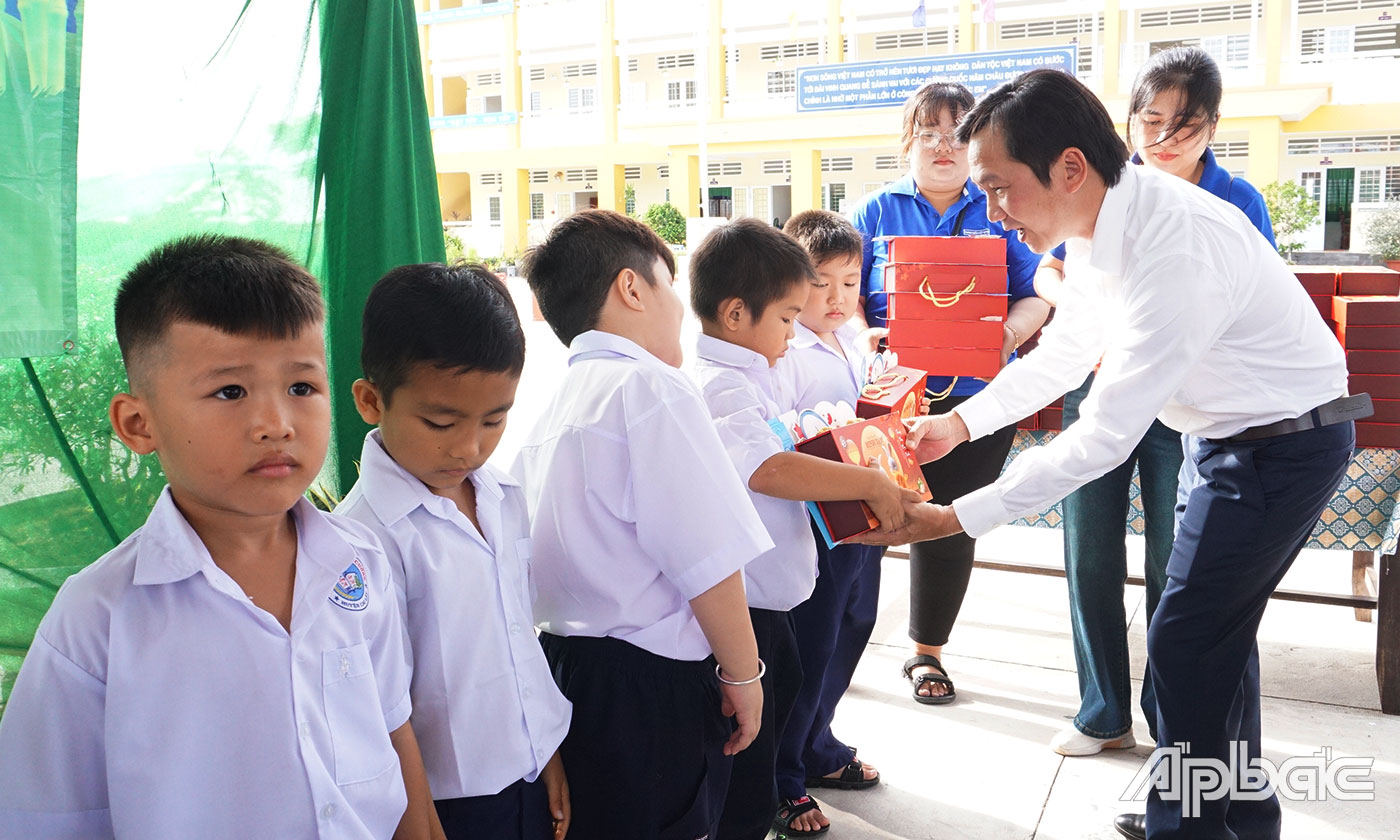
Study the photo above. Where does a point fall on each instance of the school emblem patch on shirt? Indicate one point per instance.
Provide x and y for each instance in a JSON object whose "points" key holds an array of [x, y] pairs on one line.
{"points": [[977, 232], [349, 592]]}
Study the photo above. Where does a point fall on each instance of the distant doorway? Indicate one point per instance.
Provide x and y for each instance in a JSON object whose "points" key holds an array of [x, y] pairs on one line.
{"points": [[782, 203], [1336, 220], [721, 202]]}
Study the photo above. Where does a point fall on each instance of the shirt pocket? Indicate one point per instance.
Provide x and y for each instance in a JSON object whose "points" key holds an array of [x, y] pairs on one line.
{"points": [[522, 564], [359, 737]]}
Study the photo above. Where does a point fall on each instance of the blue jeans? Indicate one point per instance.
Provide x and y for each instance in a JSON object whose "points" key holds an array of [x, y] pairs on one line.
{"points": [[1096, 565]]}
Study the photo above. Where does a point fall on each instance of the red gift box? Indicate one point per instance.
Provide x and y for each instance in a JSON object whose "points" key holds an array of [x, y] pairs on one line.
{"points": [[958, 361], [943, 281], [1030, 423], [897, 390], [1384, 411], [1317, 279], [1052, 419], [1382, 337], [1378, 435], [915, 307], [1366, 309], [971, 334], [1372, 280], [1374, 361], [961, 250], [877, 442], [1379, 386], [1324, 306]]}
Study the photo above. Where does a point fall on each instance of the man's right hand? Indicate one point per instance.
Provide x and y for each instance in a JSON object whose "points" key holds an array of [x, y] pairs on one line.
{"points": [[744, 703], [888, 501], [936, 435]]}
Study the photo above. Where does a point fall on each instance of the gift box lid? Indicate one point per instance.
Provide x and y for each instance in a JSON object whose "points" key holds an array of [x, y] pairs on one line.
{"points": [[949, 250]]}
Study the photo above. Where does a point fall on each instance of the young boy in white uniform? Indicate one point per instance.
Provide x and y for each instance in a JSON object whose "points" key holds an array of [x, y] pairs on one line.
{"points": [[748, 282], [641, 529], [236, 667], [442, 353]]}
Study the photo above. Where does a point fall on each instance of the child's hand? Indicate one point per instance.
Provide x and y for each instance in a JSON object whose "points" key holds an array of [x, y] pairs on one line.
{"points": [[557, 786], [868, 339], [887, 501], [744, 703]]}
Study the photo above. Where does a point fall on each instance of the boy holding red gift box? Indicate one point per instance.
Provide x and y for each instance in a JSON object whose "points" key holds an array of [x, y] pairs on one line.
{"points": [[748, 282]]}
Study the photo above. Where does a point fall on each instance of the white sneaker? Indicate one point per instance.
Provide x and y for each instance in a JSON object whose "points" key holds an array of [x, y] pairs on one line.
{"points": [[1073, 742]]}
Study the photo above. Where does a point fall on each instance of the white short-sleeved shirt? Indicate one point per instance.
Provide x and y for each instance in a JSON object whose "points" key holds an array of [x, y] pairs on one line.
{"points": [[635, 508], [1198, 321], [486, 711], [159, 702], [813, 371], [743, 393]]}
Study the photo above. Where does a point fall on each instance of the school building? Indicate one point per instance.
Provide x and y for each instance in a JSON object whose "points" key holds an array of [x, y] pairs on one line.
{"points": [[542, 107]]}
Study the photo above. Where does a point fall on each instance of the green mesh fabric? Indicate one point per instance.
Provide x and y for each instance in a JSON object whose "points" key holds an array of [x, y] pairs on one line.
{"points": [[194, 117]]}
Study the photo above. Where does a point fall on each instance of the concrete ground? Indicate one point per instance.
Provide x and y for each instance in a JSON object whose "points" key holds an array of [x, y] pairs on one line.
{"points": [[980, 768]]}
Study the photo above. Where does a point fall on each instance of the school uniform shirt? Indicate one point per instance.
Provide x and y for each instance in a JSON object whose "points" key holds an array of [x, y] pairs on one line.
{"points": [[158, 701], [743, 393], [635, 507], [486, 711], [814, 371], [1199, 322], [1221, 184], [901, 210]]}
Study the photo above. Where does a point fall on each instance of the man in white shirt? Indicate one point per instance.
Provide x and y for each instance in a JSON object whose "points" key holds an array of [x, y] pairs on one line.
{"points": [[1200, 323]]}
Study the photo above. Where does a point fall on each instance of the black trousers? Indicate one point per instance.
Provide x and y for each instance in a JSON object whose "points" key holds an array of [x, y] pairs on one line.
{"points": [[752, 800], [520, 812], [645, 750], [939, 569]]}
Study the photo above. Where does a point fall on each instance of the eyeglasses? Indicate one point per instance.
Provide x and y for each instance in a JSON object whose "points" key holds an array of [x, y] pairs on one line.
{"points": [[931, 140]]}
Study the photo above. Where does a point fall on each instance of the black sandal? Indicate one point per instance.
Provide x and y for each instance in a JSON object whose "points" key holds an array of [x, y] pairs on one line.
{"points": [[852, 778], [941, 678], [791, 809]]}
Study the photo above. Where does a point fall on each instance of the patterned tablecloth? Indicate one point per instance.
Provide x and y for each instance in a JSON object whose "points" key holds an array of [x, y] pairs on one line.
{"points": [[1362, 516]]}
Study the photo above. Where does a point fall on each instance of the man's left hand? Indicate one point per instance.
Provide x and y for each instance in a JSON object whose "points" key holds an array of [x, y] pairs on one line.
{"points": [[925, 522]]}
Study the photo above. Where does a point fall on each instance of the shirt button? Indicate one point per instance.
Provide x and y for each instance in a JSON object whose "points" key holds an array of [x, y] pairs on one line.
{"points": [[306, 730], [539, 754], [525, 693], [515, 627], [328, 811]]}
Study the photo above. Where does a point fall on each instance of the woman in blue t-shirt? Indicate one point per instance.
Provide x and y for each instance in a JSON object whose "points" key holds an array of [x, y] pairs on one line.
{"points": [[1172, 115], [936, 198]]}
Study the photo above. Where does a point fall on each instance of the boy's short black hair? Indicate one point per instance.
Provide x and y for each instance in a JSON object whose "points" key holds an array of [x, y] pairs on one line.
{"points": [[572, 270], [235, 285], [1040, 114], [825, 235], [746, 259], [454, 317]]}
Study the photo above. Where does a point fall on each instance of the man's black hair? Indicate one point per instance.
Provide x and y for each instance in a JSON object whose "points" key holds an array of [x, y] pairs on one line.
{"points": [[572, 270], [1040, 114], [749, 260], [235, 285], [453, 317], [825, 235]]}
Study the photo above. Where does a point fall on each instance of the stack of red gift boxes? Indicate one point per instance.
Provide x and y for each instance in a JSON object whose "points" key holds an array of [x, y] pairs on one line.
{"points": [[947, 303]]}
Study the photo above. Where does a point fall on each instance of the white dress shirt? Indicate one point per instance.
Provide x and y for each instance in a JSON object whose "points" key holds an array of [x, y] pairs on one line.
{"points": [[635, 508], [813, 371], [486, 711], [743, 393], [1199, 322], [159, 702]]}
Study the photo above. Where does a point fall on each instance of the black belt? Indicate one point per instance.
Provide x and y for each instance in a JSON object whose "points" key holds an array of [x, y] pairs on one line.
{"points": [[1339, 410]]}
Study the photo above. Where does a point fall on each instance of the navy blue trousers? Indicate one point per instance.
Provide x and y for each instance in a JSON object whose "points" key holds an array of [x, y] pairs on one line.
{"points": [[832, 627], [1249, 509], [520, 812]]}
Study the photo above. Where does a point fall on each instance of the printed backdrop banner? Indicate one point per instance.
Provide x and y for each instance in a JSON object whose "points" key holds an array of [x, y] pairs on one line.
{"points": [[40, 49]]}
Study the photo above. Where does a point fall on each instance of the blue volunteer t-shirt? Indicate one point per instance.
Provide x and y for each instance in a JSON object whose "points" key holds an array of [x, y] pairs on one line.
{"points": [[1221, 184], [900, 210]]}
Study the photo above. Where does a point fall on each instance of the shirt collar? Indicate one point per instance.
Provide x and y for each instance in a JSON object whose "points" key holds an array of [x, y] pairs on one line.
{"points": [[1106, 248], [393, 492], [727, 353], [169, 549], [905, 186], [803, 337], [1214, 179], [597, 342]]}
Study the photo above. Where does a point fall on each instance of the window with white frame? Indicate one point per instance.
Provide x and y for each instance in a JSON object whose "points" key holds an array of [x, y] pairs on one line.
{"points": [[536, 205], [493, 209], [1311, 182], [632, 173], [491, 104], [832, 196], [581, 99], [1368, 185], [782, 82], [680, 93], [1392, 183], [536, 102], [1230, 51], [740, 202]]}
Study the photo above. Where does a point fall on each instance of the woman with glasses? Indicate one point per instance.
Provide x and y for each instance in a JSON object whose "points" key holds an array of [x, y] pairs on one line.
{"points": [[936, 198], [1172, 115]]}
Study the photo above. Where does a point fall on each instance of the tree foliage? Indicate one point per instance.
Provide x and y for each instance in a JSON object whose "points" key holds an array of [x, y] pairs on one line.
{"points": [[1292, 211], [667, 221], [1383, 234]]}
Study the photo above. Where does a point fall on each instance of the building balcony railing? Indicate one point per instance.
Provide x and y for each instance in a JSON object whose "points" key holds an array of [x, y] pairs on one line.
{"points": [[465, 12], [472, 120]]}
